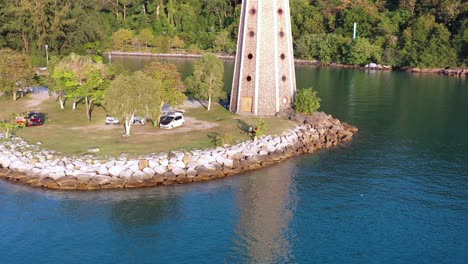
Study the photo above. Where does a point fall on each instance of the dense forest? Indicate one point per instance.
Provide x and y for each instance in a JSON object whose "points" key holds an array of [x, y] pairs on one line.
{"points": [[402, 33]]}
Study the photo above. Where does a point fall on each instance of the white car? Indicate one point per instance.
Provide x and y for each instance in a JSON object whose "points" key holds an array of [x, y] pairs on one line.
{"points": [[137, 120], [171, 120], [110, 120]]}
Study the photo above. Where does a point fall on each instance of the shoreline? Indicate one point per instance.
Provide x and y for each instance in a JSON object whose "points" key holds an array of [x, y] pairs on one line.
{"points": [[450, 72], [28, 164]]}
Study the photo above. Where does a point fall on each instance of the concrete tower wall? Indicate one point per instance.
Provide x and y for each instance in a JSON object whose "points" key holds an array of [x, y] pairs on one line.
{"points": [[264, 76]]}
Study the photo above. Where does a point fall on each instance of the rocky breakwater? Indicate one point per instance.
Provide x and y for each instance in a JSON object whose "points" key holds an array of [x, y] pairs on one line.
{"points": [[30, 164]]}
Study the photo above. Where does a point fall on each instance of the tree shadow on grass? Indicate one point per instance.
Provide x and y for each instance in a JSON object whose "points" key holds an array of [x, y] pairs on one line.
{"points": [[242, 125]]}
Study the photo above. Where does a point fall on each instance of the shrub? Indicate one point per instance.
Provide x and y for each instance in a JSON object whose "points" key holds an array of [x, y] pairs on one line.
{"points": [[307, 101], [261, 127], [9, 126], [222, 139]]}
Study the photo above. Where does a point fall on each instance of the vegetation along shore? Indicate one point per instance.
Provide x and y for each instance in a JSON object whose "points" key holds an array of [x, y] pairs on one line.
{"points": [[401, 34]]}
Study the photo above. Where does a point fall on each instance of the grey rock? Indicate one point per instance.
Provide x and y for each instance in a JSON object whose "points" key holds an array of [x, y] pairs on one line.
{"points": [[102, 170], [160, 169], [115, 170], [191, 172], [150, 172], [178, 171], [126, 174], [102, 179]]}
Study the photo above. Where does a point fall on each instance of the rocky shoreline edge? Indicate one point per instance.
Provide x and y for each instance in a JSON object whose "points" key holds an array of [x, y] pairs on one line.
{"points": [[29, 164]]}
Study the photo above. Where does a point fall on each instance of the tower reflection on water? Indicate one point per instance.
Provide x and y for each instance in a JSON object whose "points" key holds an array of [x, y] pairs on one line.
{"points": [[266, 201]]}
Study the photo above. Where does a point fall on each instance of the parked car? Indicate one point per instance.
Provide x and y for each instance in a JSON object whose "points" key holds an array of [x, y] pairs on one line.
{"points": [[31, 119], [138, 120], [36, 119], [110, 120], [171, 120]]}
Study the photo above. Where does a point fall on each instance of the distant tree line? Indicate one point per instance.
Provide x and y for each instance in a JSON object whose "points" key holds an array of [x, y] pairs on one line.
{"points": [[402, 33]]}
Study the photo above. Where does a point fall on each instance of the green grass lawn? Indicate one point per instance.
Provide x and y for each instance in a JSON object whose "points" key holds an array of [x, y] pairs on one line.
{"points": [[69, 132]]}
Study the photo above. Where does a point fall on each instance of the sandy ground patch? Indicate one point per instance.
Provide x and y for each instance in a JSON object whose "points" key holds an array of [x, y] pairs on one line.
{"points": [[35, 100], [191, 124]]}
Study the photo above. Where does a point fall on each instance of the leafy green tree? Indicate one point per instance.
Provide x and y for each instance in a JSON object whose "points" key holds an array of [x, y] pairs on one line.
{"points": [[361, 51], [223, 42], [8, 125], [177, 43], [162, 44], [92, 88], [65, 85], [145, 38], [306, 101], [123, 39], [427, 44], [366, 21], [323, 47], [15, 71], [82, 77], [461, 42], [129, 95], [59, 24], [206, 82], [169, 89]]}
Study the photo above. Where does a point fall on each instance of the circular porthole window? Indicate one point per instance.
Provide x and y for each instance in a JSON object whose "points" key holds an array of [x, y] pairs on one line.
{"points": [[283, 78], [250, 56], [281, 33], [251, 33], [280, 11], [249, 78], [253, 11], [283, 56]]}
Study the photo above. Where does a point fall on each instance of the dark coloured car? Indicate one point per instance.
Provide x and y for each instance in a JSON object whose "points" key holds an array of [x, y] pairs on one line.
{"points": [[35, 119]]}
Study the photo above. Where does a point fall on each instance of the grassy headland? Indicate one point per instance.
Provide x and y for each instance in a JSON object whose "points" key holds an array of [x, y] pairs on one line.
{"points": [[69, 132]]}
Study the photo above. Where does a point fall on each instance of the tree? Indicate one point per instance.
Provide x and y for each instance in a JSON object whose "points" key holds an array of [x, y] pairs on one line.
{"points": [[169, 89], [177, 43], [92, 88], [145, 38], [65, 85], [15, 71], [223, 42], [30, 24], [427, 43], [81, 77], [128, 95], [361, 52], [8, 125], [307, 101], [123, 39], [206, 82]]}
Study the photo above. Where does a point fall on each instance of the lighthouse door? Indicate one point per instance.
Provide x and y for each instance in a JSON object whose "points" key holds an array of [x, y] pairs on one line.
{"points": [[246, 104]]}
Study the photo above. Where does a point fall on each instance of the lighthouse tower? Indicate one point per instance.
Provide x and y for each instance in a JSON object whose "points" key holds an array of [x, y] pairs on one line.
{"points": [[264, 78]]}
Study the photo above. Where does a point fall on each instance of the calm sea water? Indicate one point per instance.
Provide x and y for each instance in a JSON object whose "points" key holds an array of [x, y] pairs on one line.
{"points": [[398, 193]]}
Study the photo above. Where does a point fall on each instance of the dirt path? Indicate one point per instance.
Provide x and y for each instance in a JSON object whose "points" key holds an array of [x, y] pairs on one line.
{"points": [[35, 100], [191, 124]]}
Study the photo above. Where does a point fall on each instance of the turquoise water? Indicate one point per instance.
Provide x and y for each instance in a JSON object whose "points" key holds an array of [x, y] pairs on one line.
{"points": [[398, 193]]}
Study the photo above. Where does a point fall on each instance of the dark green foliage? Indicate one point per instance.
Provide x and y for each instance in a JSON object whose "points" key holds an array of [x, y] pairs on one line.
{"points": [[306, 101], [423, 33]]}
